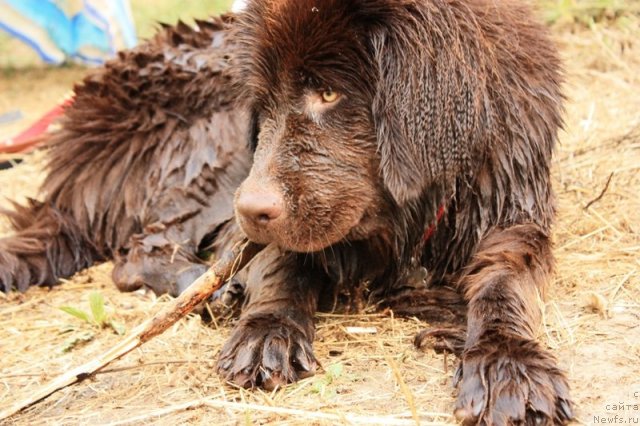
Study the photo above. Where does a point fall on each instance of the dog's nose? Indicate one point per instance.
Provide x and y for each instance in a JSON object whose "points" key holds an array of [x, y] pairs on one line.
{"points": [[261, 208]]}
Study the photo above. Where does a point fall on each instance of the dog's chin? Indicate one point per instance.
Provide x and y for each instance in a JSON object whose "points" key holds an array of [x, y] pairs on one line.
{"points": [[298, 246], [307, 246], [291, 240]]}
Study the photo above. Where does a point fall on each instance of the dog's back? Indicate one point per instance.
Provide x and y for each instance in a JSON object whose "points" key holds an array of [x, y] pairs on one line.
{"points": [[143, 168]]}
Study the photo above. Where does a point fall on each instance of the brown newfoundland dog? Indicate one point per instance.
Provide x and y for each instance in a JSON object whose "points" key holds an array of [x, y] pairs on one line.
{"points": [[399, 152]]}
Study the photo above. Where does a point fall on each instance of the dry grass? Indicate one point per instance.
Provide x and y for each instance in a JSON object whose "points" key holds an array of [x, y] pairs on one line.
{"points": [[592, 317]]}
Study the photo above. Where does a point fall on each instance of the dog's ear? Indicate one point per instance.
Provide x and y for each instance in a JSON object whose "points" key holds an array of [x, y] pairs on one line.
{"points": [[425, 107]]}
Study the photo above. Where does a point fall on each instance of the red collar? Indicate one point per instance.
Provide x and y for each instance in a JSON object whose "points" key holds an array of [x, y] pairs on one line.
{"points": [[428, 233]]}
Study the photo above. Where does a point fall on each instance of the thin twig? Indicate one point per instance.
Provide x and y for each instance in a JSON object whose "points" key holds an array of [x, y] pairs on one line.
{"points": [[202, 288], [339, 418], [13, 376], [604, 190], [119, 369], [403, 387]]}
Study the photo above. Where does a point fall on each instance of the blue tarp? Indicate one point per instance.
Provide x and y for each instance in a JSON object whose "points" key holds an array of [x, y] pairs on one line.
{"points": [[88, 31]]}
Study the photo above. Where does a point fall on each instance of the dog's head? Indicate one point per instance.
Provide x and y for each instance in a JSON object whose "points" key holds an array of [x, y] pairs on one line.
{"points": [[349, 118]]}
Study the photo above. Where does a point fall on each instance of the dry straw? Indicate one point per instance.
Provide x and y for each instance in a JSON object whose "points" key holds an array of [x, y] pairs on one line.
{"points": [[592, 313]]}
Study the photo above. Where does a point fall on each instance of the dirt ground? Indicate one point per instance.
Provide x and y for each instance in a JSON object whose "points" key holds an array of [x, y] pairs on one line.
{"points": [[592, 319]]}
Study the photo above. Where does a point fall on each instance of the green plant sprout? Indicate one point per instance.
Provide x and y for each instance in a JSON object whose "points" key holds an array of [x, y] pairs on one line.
{"points": [[98, 316]]}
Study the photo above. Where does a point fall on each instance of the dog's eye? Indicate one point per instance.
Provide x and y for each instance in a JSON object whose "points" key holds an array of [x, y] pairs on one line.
{"points": [[329, 96]]}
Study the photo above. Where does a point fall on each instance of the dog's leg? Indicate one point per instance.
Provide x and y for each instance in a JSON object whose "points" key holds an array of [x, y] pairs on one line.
{"points": [[155, 262], [272, 343], [506, 377], [181, 220], [47, 245]]}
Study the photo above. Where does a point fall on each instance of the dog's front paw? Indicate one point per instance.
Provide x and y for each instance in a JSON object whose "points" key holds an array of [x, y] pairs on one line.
{"points": [[511, 381], [267, 351]]}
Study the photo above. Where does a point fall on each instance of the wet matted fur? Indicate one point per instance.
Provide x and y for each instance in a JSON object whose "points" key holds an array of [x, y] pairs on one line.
{"points": [[366, 117], [371, 115], [142, 171]]}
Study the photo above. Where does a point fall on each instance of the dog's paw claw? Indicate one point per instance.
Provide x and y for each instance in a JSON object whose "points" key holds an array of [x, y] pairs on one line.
{"points": [[266, 352], [511, 381]]}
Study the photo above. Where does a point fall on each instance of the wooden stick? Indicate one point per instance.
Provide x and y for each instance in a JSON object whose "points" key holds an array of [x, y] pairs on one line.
{"points": [[202, 288], [599, 197]]}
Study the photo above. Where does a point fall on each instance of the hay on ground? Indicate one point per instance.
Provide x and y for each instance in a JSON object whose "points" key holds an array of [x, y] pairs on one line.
{"points": [[592, 317]]}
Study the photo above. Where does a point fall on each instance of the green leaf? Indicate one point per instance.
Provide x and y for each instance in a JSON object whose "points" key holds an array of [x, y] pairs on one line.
{"points": [[322, 385], [76, 341], [96, 301], [119, 328], [334, 371], [78, 313], [68, 328], [319, 387]]}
